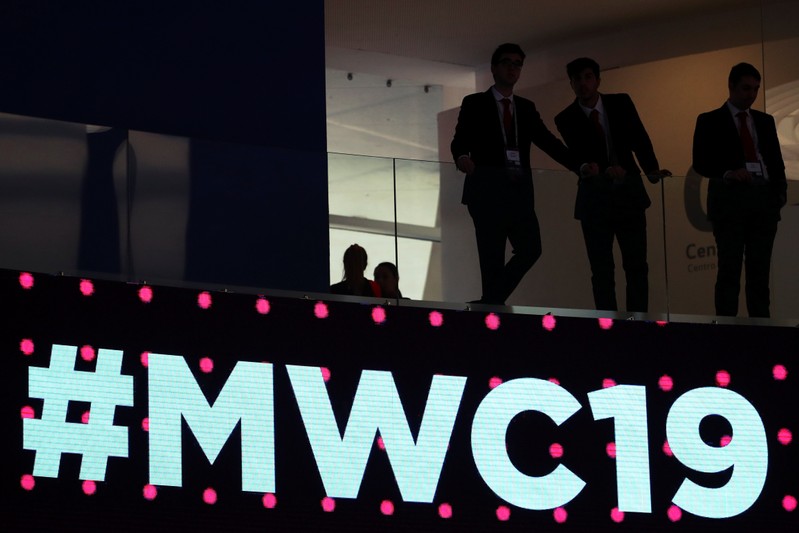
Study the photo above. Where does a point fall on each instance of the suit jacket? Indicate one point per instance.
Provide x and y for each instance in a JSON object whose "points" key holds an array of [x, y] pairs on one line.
{"points": [[598, 196], [717, 148], [479, 135]]}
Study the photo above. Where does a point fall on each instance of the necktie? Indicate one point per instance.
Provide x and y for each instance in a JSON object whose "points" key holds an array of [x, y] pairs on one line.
{"points": [[507, 122], [746, 138], [597, 125]]}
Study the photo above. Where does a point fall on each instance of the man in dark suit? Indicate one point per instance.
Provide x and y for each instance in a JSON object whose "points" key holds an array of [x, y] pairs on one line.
{"points": [[606, 128], [492, 147], [738, 149]]}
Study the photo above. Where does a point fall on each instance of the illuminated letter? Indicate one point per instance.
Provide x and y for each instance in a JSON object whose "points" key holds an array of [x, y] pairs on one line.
{"points": [[491, 456], [746, 454], [247, 396], [377, 407], [627, 405]]}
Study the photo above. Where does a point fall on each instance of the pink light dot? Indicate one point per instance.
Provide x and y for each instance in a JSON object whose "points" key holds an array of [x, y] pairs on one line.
{"points": [[560, 515], [780, 372], [608, 383], [674, 513], [445, 510], [145, 423], [667, 449], [325, 374], [146, 294], [725, 440], [387, 507], [548, 322], [86, 287], [494, 382], [556, 381], [616, 515], [207, 365], [209, 496], [204, 300], [503, 513], [262, 306], [722, 378], [378, 315], [26, 346], [27, 482], [661, 323], [610, 449], [27, 412], [87, 353], [556, 450], [149, 492], [789, 503], [145, 359], [328, 504], [269, 500], [492, 322], [89, 487], [436, 319], [320, 310], [380, 443], [605, 323], [26, 280], [784, 436], [665, 383], [84, 418]]}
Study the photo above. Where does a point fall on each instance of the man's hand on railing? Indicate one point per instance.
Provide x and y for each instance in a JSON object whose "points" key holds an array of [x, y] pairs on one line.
{"points": [[657, 175]]}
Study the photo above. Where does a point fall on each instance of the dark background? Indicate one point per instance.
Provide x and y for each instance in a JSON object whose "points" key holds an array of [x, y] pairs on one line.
{"points": [[244, 80]]}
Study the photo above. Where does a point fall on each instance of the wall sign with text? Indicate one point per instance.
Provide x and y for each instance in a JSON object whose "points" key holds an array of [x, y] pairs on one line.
{"points": [[139, 407]]}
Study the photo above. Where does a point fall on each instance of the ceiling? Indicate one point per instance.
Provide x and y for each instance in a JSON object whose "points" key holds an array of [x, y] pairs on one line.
{"points": [[463, 33]]}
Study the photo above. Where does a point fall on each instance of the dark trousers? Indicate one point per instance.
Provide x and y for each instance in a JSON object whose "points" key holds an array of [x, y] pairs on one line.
{"points": [[507, 217], [747, 237], [630, 231]]}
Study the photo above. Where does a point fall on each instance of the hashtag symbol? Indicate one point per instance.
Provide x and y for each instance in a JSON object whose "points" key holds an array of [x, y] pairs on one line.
{"points": [[95, 441]]}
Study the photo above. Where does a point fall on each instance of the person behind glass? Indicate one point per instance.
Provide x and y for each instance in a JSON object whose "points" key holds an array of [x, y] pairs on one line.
{"points": [[491, 146], [738, 150], [387, 276], [354, 282], [612, 205]]}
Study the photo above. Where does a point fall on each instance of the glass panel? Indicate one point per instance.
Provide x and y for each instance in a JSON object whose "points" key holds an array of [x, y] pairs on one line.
{"points": [[361, 187], [59, 209], [418, 226], [690, 246], [361, 210], [228, 214], [785, 259], [692, 254], [161, 209], [781, 82], [561, 278]]}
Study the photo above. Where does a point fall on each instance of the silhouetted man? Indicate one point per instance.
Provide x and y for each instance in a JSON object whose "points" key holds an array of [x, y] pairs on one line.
{"points": [[611, 205], [738, 149], [492, 146]]}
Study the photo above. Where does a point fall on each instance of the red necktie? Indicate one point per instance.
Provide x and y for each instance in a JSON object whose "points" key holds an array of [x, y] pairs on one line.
{"points": [[597, 125], [507, 122], [746, 138]]}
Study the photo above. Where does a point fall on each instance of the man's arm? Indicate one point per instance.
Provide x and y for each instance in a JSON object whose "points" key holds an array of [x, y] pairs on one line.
{"points": [[551, 145], [463, 141], [772, 154], [641, 144], [705, 159]]}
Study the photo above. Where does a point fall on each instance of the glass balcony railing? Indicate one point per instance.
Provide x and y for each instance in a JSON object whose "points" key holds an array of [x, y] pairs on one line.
{"points": [[97, 202]]}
